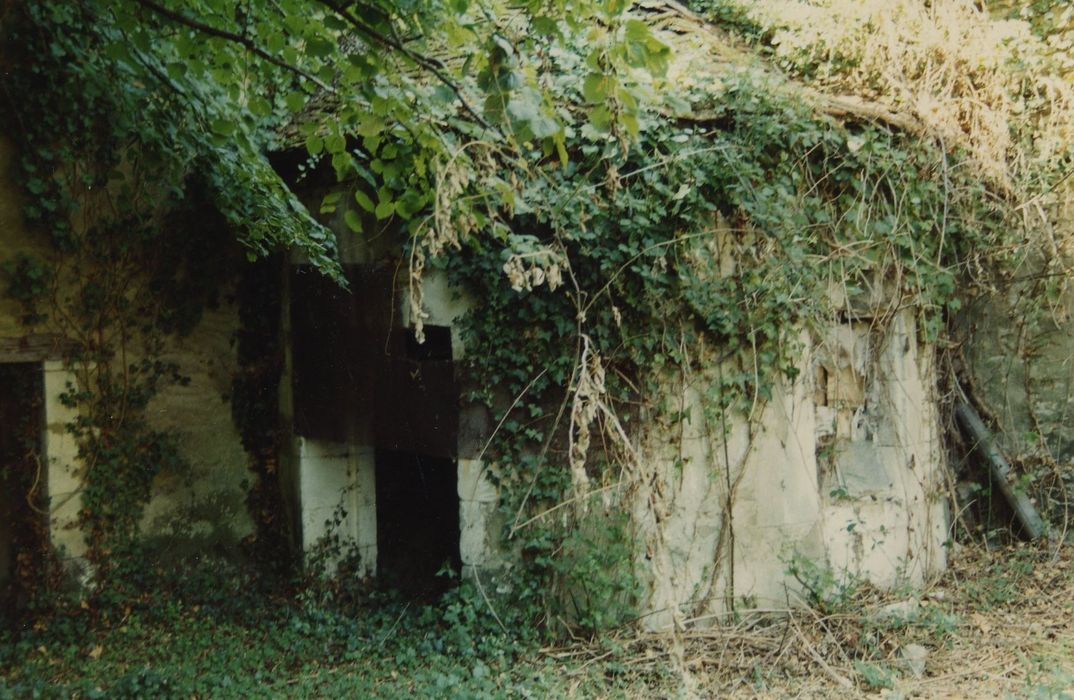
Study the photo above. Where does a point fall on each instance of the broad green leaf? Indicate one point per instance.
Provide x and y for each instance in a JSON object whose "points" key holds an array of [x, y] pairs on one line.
{"points": [[596, 88], [319, 47], [295, 101], [384, 210], [223, 127], [601, 119], [353, 221], [364, 201], [330, 202]]}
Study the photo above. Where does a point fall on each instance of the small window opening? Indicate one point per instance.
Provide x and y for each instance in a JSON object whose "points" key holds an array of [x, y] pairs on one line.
{"points": [[437, 345]]}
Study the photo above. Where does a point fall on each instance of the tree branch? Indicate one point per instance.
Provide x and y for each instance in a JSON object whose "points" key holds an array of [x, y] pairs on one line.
{"points": [[243, 41], [422, 61]]}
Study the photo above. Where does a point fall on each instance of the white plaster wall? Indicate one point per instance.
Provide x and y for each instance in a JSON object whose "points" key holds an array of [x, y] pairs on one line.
{"points": [[848, 475], [209, 503], [776, 505], [206, 504], [337, 490], [65, 473]]}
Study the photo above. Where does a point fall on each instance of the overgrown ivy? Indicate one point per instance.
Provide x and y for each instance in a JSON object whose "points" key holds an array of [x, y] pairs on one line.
{"points": [[139, 214], [727, 235], [663, 235], [255, 410]]}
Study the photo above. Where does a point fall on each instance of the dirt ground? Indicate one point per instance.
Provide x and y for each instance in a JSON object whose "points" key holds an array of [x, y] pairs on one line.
{"points": [[999, 623]]}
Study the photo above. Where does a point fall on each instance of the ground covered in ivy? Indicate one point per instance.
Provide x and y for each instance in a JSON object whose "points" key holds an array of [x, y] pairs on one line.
{"points": [[1000, 623], [213, 630]]}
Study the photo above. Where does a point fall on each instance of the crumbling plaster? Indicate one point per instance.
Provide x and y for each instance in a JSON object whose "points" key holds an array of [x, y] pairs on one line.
{"points": [[206, 504], [848, 476]]}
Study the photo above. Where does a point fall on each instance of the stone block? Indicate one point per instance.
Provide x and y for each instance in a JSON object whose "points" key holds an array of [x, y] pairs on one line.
{"points": [[865, 468], [474, 484], [327, 492], [474, 520], [64, 475]]}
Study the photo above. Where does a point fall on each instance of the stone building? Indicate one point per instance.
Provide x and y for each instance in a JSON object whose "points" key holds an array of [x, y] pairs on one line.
{"points": [[843, 467]]}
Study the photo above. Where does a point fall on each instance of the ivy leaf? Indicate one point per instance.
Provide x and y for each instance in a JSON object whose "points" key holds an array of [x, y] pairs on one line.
{"points": [[223, 127], [643, 50], [353, 221], [295, 101], [364, 201], [546, 26], [319, 47], [384, 209], [596, 88], [601, 119]]}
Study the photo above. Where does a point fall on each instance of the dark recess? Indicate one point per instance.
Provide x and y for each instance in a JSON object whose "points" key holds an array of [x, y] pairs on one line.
{"points": [[417, 522], [23, 527]]}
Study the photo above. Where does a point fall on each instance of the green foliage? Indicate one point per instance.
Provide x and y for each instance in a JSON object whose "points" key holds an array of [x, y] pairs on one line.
{"points": [[255, 407], [594, 571], [28, 280], [827, 590], [209, 629], [875, 676], [539, 172], [101, 105]]}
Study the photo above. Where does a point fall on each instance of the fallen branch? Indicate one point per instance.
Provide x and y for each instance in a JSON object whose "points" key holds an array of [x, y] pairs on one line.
{"points": [[1000, 470]]}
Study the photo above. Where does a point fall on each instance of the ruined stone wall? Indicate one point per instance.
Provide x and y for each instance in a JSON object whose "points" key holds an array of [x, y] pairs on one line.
{"points": [[193, 510], [841, 471], [205, 507]]}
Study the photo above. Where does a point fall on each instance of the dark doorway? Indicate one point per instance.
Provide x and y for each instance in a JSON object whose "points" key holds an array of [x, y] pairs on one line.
{"points": [[23, 499], [417, 522], [359, 377]]}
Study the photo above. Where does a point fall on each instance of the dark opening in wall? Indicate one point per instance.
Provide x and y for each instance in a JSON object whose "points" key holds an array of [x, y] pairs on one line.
{"points": [[23, 525], [361, 379], [417, 399], [437, 345], [416, 428], [417, 522]]}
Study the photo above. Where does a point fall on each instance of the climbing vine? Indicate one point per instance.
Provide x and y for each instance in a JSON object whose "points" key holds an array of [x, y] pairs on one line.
{"points": [[617, 229], [135, 249], [701, 246], [255, 409]]}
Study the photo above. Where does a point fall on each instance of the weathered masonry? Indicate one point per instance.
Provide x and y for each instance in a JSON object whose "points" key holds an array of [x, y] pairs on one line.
{"points": [[842, 469], [43, 479], [383, 459], [383, 455]]}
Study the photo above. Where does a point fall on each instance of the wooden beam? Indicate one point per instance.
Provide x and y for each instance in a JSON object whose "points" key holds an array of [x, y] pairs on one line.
{"points": [[35, 347], [981, 438]]}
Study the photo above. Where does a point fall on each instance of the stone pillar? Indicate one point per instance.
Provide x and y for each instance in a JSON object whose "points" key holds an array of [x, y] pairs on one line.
{"points": [[65, 473], [478, 500], [337, 496]]}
